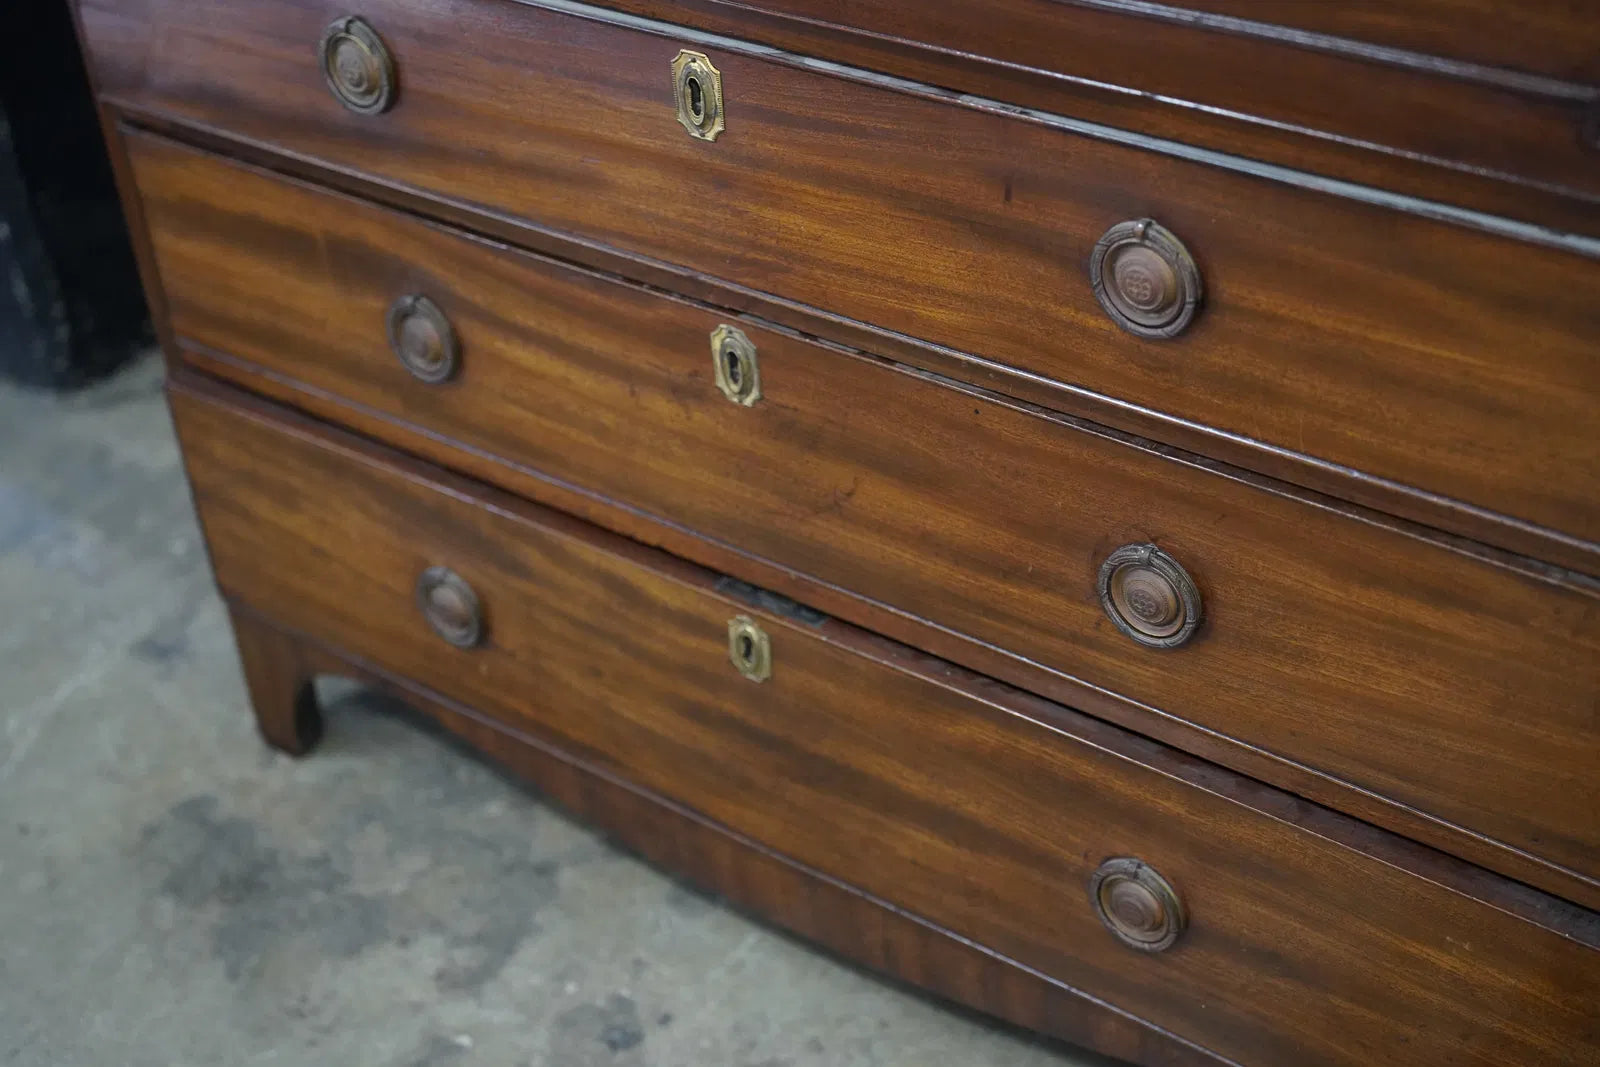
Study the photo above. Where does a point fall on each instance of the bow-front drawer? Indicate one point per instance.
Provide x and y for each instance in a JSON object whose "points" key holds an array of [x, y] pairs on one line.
{"points": [[1364, 662], [1300, 327], [1255, 925]]}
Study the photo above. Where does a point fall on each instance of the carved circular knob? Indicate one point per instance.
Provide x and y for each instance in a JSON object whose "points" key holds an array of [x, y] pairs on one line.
{"points": [[1149, 596], [1136, 904], [1145, 279], [422, 338], [358, 66], [450, 606]]}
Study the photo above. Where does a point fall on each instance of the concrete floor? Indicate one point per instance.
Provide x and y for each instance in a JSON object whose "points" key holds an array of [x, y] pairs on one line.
{"points": [[172, 892]]}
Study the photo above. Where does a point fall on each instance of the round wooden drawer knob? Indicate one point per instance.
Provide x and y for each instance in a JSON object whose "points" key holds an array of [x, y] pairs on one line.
{"points": [[423, 339], [358, 67], [1145, 279], [1136, 904], [1149, 596], [450, 606]]}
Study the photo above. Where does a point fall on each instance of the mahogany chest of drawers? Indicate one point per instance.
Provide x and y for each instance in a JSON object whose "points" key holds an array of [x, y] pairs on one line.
{"points": [[1091, 508]]}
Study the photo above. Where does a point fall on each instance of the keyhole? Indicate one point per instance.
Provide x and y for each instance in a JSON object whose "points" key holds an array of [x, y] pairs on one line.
{"points": [[697, 103], [735, 368], [747, 648]]}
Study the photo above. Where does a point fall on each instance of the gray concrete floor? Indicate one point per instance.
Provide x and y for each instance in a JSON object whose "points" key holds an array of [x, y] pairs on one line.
{"points": [[172, 892]]}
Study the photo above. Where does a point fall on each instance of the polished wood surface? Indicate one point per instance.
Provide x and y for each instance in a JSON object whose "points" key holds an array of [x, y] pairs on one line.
{"points": [[748, 875], [976, 807], [1473, 703], [1424, 353], [1087, 506], [1556, 38], [1470, 102]]}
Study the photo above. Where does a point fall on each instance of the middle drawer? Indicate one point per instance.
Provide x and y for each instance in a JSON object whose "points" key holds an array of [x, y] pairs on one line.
{"points": [[1455, 687]]}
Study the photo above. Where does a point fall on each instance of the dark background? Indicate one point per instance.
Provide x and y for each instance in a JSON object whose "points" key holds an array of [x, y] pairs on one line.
{"points": [[71, 308]]}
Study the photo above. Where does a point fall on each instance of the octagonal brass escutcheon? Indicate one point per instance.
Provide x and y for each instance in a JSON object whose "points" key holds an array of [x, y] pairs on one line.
{"points": [[749, 648], [697, 90], [733, 357]]}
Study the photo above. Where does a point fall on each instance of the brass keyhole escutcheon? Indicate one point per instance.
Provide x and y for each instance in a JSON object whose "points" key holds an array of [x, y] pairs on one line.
{"points": [[733, 357], [450, 606], [697, 91], [1137, 904], [357, 66], [1149, 596], [749, 648], [1145, 279], [422, 339]]}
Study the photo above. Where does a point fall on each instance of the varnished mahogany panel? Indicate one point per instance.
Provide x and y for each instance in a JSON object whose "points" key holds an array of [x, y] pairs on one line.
{"points": [[943, 55], [280, 666], [1456, 111], [1426, 353], [964, 802], [1455, 687]]}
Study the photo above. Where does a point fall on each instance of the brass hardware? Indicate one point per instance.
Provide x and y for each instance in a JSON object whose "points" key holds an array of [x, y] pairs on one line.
{"points": [[450, 606], [734, 358], [423, 339], [1145, 279], [1136, 904], [358, 67], [1149, 596], [749, 648], [697, 90]]}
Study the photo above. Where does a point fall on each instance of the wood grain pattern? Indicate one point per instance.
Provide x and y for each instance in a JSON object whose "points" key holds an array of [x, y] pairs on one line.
{"points": [[1422, 352], [1056, 90], [1557, 38], [826, 912], [1452, 686], [966, 803], [1449, 125], [1359, 487]]}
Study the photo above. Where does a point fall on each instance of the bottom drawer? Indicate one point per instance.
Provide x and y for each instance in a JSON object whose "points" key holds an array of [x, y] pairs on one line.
{"points": [[1256, 925]]}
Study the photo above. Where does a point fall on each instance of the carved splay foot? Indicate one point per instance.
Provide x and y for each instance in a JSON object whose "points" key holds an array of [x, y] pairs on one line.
{"points": [[279, 676]]}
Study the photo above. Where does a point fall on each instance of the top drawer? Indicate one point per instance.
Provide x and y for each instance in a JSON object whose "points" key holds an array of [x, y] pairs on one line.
{"points": [[1426, 353], [1501, 90]]}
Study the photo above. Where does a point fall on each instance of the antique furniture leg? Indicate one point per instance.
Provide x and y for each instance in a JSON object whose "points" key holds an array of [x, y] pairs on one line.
{"points": [[279, 676]]}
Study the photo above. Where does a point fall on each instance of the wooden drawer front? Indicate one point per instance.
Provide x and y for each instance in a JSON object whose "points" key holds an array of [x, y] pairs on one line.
{"points": [[1290, 63], [1454, 686], [985, 814], [1430, 354]]}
